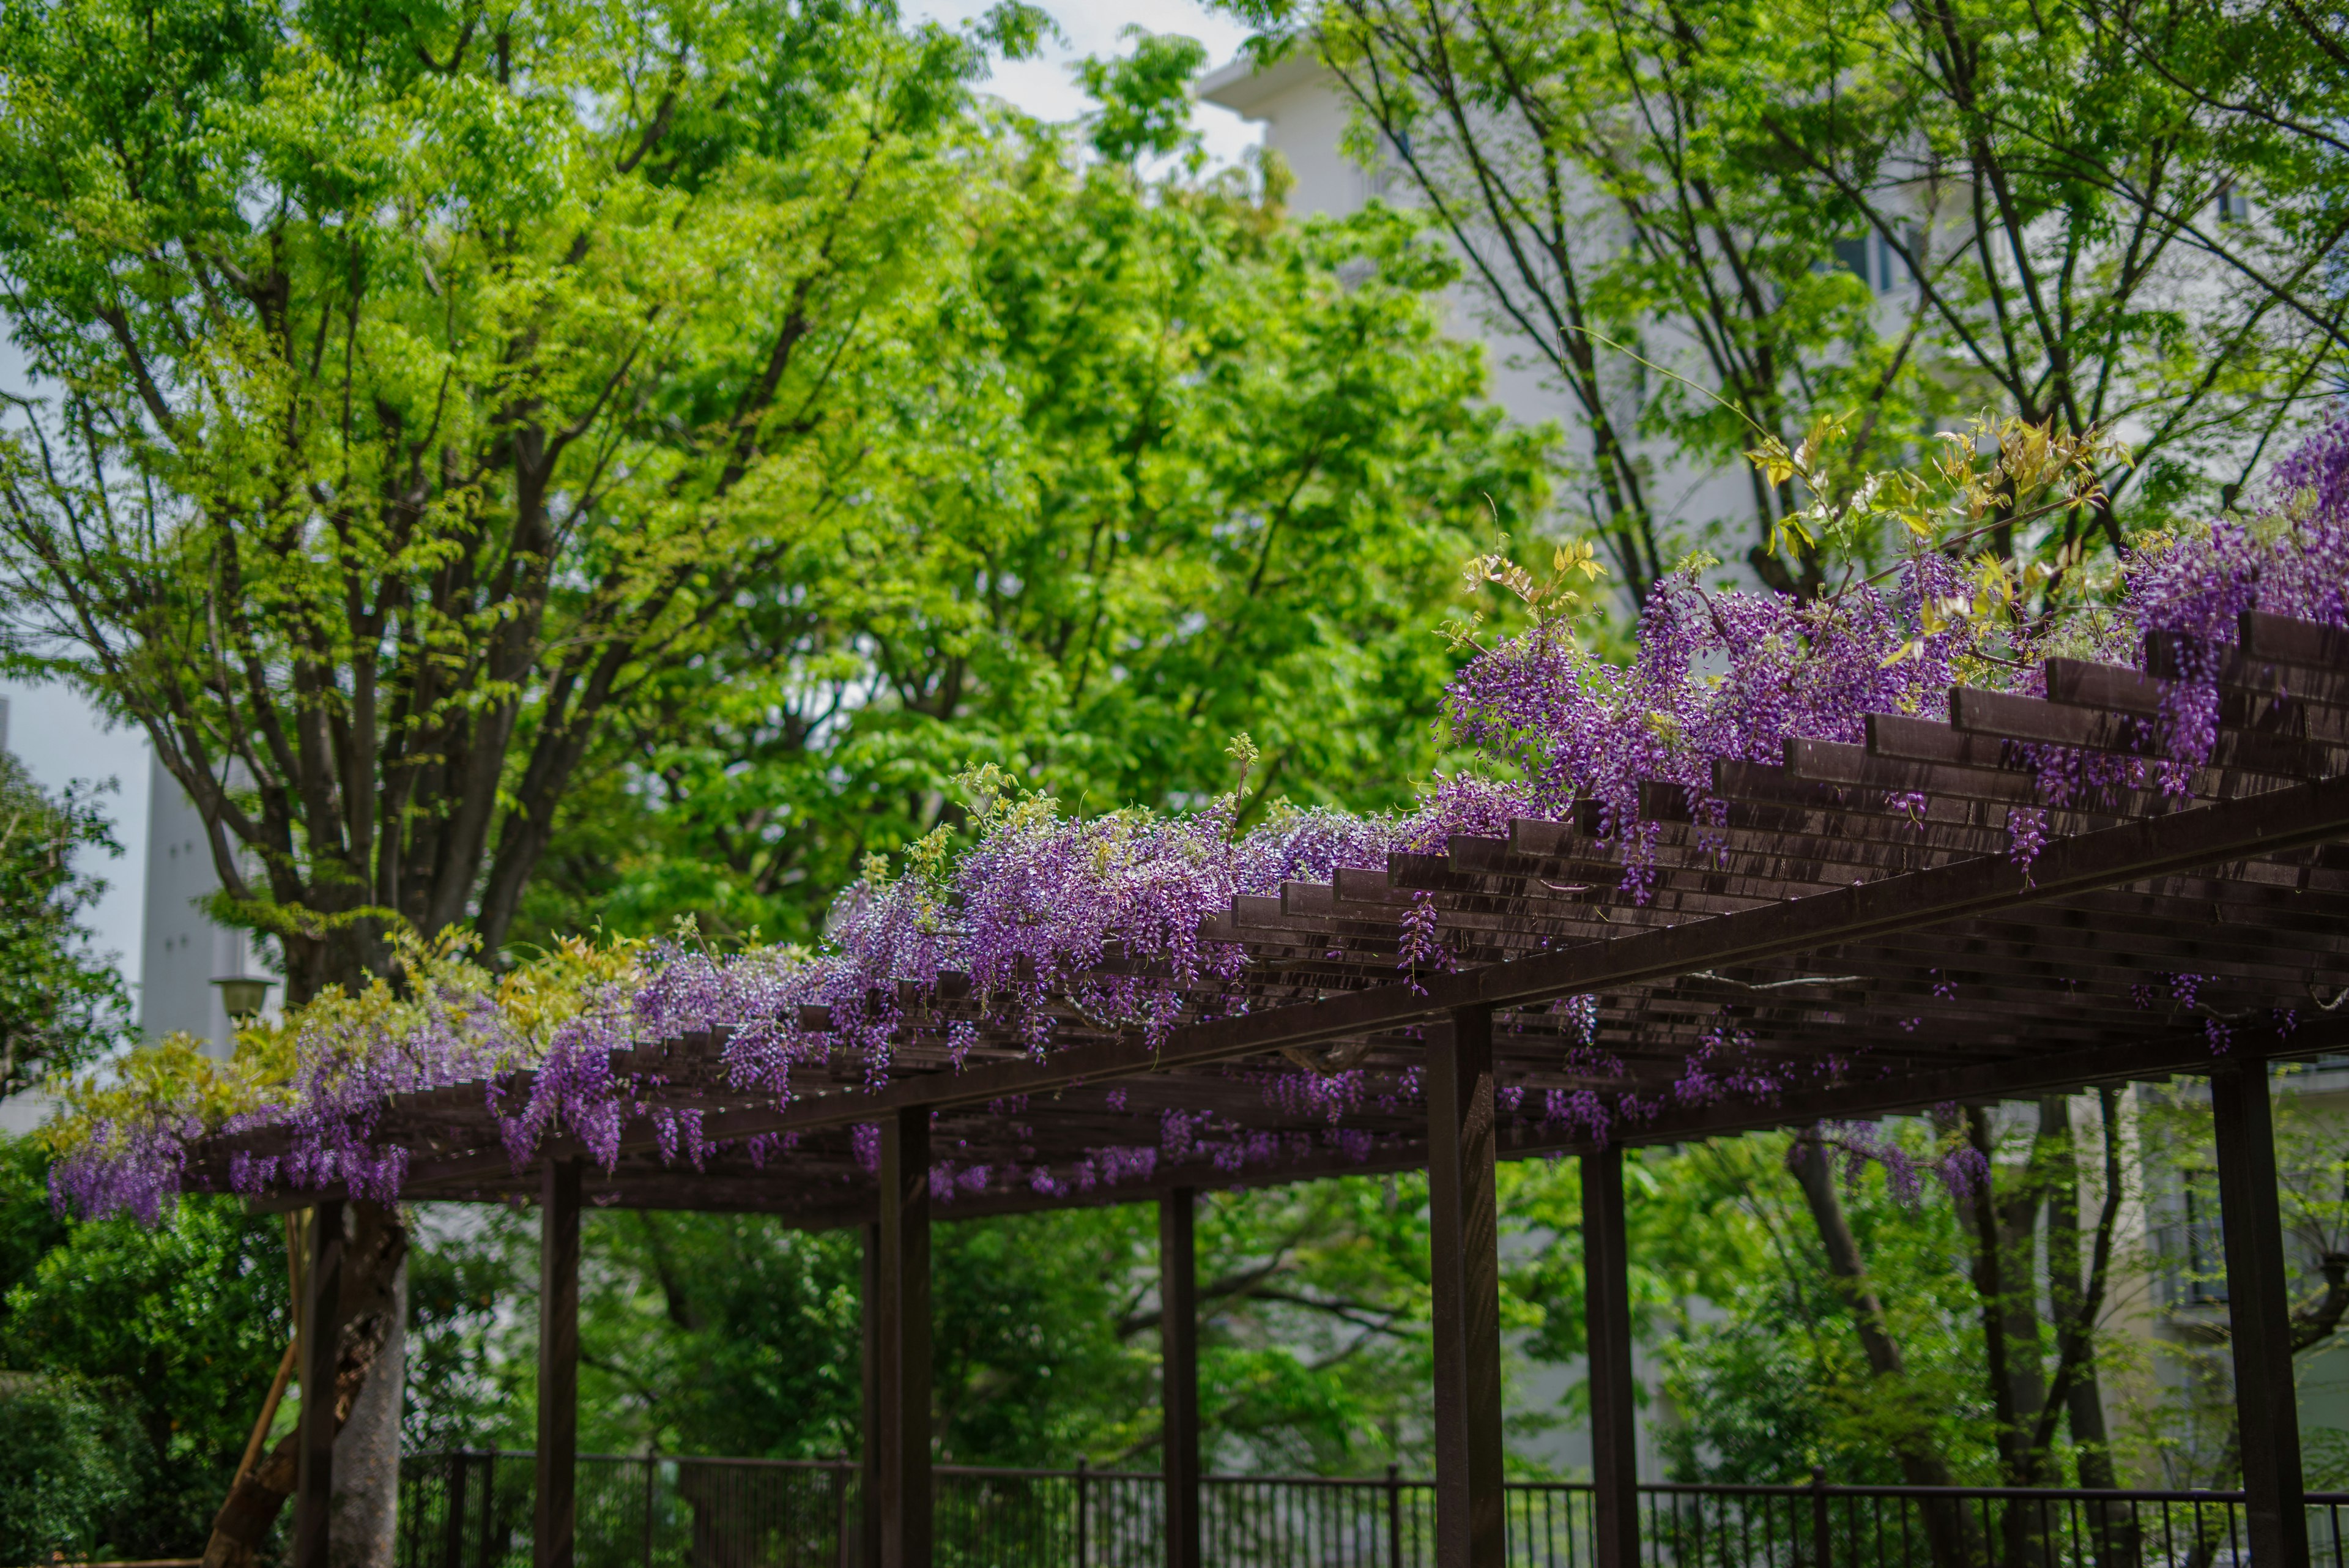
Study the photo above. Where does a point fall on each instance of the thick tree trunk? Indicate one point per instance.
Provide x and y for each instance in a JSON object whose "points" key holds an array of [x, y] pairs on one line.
{"points": [[364, 1532], [2004, 1228], [368, 1391], [2076, 1294], [1949, 1532]]}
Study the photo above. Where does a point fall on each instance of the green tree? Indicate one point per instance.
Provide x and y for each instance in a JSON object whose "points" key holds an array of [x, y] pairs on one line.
{"points": [[732, 1334], [2051, 199], [2190, 1425], [64, 1470], [2073, 219], [417, 382], [1182, 469], [165, 1338], [61, 1003], [1628, 234]]}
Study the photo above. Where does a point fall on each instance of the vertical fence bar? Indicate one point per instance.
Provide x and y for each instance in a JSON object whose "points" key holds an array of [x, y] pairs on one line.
{"points": [[844, 1539], [652, 1482], [1394, 1516], [452, 1513], [489, 1507], [1819, 1556]]}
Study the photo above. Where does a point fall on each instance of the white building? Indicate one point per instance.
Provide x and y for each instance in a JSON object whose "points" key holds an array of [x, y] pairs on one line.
{"points": [[183, 955]]}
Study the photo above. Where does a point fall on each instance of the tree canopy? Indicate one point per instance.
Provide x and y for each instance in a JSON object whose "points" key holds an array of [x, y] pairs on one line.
{"points": [[62, 1002], [1718, 223], [416, 383]]}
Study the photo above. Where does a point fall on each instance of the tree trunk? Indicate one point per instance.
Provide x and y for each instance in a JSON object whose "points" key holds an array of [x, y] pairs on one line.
{"points": [[367, 1445], [2076, 1299], [364, 1532], [1949, 1534]]}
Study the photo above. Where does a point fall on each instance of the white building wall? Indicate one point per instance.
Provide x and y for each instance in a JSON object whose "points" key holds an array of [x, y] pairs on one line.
{"points": [[181, 951]]}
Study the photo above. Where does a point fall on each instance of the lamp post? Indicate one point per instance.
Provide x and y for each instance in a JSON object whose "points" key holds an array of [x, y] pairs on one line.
{"points": [[242, 996]]}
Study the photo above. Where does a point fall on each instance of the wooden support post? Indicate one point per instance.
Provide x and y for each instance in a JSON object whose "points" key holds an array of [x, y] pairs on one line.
{"points": [[554, 1521], [1606, 1318], [904, 1338], [322, 1314], [2258, 1309], [877, 1432], [1466, 1288], [1178, 1375]]}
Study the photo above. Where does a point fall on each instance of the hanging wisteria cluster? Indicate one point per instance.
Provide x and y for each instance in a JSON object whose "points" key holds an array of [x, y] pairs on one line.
{"points": [[1043, 901]]}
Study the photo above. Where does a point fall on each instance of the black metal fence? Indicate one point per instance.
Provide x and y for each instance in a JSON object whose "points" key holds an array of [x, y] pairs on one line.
{"points": [[473, 1510]]}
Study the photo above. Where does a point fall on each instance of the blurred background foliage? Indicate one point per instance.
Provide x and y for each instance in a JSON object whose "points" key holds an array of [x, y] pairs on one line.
{"points": [[1143, 462]]}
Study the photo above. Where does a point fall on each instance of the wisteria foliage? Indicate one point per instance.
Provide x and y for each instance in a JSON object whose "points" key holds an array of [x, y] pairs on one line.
{"points": [[1042, 899]]}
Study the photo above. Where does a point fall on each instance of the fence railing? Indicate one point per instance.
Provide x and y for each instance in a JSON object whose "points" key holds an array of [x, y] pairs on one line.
{"points": [[473, 1509]]}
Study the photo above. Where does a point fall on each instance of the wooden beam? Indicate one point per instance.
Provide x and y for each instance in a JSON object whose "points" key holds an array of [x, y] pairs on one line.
{"points": [[1606, 1318], [554, 1525], [1178, 1375], [2259, 1310], [2181, 841], [1464, 1288], [875, 1424], [904, 1339], [321, 1315]]}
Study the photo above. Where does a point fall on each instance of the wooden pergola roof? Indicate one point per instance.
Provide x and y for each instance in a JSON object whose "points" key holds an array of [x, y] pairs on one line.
{"points": [[1849, 932]]}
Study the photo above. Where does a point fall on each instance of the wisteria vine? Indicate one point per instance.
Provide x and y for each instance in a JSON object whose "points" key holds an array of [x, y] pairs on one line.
{"points": [[1103, 914]]}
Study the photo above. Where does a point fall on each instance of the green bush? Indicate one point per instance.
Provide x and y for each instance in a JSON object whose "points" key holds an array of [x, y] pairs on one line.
{"points": [[66, 1463]]}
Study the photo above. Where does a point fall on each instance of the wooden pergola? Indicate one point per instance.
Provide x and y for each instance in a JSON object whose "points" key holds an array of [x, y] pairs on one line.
{"points": [[1849, 932]]}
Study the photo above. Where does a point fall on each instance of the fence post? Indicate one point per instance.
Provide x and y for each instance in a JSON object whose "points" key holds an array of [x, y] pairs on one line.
{"points": [[489, 1508], [841, 1539], [652, 1479], [1818, 1517], [452, 1523], [1394, 1516], [1082, 1541]]}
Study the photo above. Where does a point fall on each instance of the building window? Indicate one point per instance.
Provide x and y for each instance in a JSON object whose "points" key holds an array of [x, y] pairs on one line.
{"points": [[2234, 207], [2204, 1253]]}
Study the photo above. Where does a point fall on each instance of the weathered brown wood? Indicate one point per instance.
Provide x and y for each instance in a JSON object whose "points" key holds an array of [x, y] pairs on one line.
{"points": [[2258, 1312], [1178, 1375], [904, 1295], [554, 1524], [1464, 1291], [321, 1308], [2282, 819], [876, 1427], [1606, 1318]]}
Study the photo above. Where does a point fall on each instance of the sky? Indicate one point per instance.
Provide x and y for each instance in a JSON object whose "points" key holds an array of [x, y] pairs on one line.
{"points": [[60, 738], [1045, 87]]}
